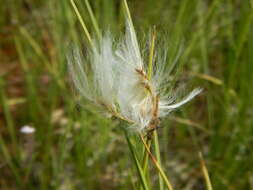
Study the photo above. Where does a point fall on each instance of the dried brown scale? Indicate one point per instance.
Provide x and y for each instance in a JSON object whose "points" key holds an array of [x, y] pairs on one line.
{"points": [[142, 73], [154, 123], [147, 86], [145, 83]]}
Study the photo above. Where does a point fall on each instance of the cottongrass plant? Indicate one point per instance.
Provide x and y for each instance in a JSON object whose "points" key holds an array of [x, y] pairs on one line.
{"points": [[122, 85]]}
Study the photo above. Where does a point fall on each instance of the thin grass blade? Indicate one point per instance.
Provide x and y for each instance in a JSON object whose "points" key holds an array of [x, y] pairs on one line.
{"points": [[137, 163]]}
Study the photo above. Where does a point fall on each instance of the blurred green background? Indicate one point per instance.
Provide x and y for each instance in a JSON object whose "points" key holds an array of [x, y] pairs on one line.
{"points": [[75, 148]]}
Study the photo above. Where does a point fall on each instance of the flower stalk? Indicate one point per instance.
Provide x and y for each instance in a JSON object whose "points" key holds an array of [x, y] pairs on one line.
{"points": [[159, 168], [123, 86]]}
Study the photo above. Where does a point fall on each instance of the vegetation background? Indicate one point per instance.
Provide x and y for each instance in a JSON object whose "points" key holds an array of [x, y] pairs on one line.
{"points": [[75, 148]]}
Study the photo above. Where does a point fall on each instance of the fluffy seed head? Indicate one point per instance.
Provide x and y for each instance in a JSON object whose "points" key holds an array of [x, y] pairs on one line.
{"points": [[118, 81]]}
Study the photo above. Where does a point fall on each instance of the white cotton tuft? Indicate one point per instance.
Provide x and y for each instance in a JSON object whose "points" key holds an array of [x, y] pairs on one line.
{"points": [[166, 107], [117, 81], [27, 129], [105, 71], [78, 75]]}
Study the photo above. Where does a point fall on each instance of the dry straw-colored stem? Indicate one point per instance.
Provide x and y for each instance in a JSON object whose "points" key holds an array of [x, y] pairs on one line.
{"points": [[205, 172], [88, 36], [159, 168]]}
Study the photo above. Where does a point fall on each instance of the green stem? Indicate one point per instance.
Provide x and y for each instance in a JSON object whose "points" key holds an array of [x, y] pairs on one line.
{"points": [[82, 22], [93, 19], [128, 13], [145, 157], [159, 168], [157, 153], [137, 163], [151, 55], [150, 66], [7, 113]]}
